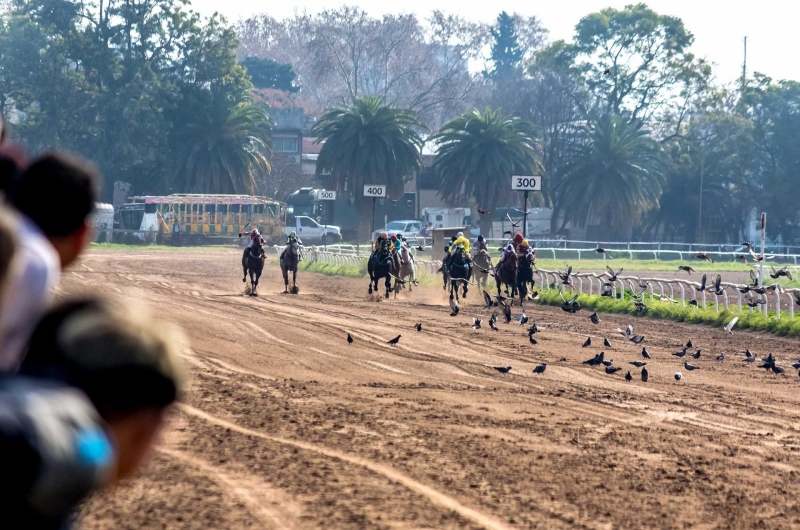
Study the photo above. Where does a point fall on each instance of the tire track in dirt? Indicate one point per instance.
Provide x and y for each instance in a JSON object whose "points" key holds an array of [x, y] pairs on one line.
{"points": [[433, 495]]}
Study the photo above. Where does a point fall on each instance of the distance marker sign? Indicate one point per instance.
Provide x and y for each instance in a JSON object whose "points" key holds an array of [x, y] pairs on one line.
{"points": [[326, 195], [526, 183], [374, 190]]}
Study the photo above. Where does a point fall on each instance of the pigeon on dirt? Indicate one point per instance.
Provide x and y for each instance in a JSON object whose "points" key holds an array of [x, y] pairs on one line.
{"points": [[628, 376], [540, 369], [606, 343], [596, 319], [453, 307], [523, 318], [597, 359], [678, 376], [695, 355], [637, 339], [689, 344], [729, 327], [476, 323], [638, 364], [418, 327], [680, 353], [533, 341], [777, 369], [608, 362], [645, 375], [487, 299], [533, 330], [645, 353], [502, 369], [689, 366], [587, 342], [721, 357], [394, 340], [611, 370], [750, 357], [349, 339], [506, 312], [796, 365], [492, 326], [627, 333]]}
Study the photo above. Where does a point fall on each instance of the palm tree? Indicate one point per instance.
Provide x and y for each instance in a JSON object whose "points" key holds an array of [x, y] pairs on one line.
{"points": [[478, 152], [369, 142], [222, 144], [615, 178]]}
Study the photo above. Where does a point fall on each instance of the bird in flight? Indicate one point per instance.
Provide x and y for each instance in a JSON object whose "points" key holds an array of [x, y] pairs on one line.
{"points": [[729, 327], [784, 272], [482, 211], [603, 251], [612, 276], [686, 268], [476, 323], [702, 284], [701, 255]]}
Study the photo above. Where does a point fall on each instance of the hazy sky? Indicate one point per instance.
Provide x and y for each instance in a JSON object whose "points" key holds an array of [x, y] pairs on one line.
{"points": [[718, 26]]}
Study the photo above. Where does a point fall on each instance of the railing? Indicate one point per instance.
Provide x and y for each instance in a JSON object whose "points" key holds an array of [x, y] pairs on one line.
{"points": [[669, 290]]}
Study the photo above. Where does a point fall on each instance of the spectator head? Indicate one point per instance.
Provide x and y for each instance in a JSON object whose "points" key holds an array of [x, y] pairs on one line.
{"points": [[58, 192], [126, 365]]}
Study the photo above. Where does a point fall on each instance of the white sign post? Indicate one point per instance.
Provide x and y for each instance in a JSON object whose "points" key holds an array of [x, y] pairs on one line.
{"points": [[526, 183], [325, 195], [375, 191]]}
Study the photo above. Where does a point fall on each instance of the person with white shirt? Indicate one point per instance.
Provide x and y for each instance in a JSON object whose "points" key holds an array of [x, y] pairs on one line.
{"points": [[55, 197]]}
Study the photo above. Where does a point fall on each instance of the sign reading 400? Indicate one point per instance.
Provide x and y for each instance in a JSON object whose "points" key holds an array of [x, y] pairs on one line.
{"points": [[374, 190], [526, 183]]}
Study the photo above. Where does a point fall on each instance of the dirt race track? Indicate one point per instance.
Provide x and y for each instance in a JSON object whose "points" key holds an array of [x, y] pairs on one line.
{"points": [[287, 426]]}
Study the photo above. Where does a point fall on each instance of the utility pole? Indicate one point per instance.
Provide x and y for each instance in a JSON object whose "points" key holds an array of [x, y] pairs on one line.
{"points": [[744, 69], [700, 210]]}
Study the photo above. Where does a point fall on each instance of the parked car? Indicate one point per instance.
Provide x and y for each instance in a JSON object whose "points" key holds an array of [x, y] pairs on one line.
{"points": [[311, 232], [409, 228]]}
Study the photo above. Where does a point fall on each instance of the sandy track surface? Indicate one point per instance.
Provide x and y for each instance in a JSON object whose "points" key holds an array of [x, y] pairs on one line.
{"points": [[287, 426]]}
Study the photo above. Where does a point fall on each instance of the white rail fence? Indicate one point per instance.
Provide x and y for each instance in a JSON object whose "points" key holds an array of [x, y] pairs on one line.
{"points": [[662, 290]]}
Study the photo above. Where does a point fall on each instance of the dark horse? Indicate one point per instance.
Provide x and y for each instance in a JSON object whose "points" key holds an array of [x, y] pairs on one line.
{"points": [[253, 261], [380, 265], [460, 272], [507, 275], [524, 276], [289, 261]]}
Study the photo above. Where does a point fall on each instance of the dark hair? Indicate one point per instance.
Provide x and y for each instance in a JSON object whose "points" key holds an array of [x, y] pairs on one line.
{"points": [[122, 363], [57, 192]]}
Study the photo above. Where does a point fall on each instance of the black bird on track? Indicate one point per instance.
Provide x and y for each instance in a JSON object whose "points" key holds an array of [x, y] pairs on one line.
{"points": [[637, 339], [587, 342], [689, 344], [533, 341], [628, 376], [645, 353], [777, 369], [706, 257], [678, 376], [349, 339], [596, 319], [540, 369], [418, 327], [597, 359], [693, 302], [502, 369], [476, 323], [721, 357], [394, 340], [611, 370], [533, 330], [506, 311], [696, 355], [609, 362], [717, 288], [686, 268], [638, 364], [680, 353], [645, 375], [690, 366], [606, 343], [492, 326]]}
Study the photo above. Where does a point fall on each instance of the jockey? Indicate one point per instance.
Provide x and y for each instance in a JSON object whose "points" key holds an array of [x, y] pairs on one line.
{"points": [[480, 244], [292, 237], [255, 239], [518, 238], [382, 239], [523, 247], [460, 240], [506, 252]]}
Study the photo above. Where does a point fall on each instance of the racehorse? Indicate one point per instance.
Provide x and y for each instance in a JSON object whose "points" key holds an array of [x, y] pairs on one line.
{"points": [[524, 276], [507, 275], [380, 265], [460, 271], [484, 262], [253, 261], [406, 270], [289, 261], [445, 270]]}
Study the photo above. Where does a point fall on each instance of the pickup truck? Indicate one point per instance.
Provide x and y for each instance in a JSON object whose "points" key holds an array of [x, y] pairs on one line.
{"points": [[311, 232], [410, 229]]}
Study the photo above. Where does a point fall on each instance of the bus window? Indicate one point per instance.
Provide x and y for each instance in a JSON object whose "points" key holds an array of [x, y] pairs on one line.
{"points": [[222, 214], [208, 216], [150, 208]]}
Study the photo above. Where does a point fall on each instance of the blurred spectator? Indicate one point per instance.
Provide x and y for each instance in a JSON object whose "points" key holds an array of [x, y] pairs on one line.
{"points": [[56, 196], [12, 160], [8, 244], [55, 445]]}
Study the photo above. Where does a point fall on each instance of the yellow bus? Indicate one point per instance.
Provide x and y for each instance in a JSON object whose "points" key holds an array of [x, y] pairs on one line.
{"points": [[204, 216]]}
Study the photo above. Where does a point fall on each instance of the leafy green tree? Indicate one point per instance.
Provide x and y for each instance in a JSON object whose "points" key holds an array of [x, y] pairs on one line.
{"points": [[368, 142], [506, 52], [615, 178], [223, 146], [478, 152], [265, 73]]}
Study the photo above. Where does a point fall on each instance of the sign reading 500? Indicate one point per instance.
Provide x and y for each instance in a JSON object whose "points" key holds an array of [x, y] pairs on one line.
{"points": [[526, 183], [374, 190]]}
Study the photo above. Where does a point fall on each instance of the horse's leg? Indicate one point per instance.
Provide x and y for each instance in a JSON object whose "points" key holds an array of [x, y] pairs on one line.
{"points": [[388, 284], [244, 271]]}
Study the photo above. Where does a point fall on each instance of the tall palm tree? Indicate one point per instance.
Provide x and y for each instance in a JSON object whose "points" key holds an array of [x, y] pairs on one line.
{"points": [[222, 145], [369, 142], [478, 152], [615, 178]]}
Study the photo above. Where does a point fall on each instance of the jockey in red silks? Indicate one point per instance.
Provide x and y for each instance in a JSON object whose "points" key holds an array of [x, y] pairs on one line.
{"points": [[255, 239]]}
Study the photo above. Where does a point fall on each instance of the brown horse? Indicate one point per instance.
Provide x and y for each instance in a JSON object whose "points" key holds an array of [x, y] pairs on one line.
{"points": [[253, 262], [289, 261], [507, 275]]}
